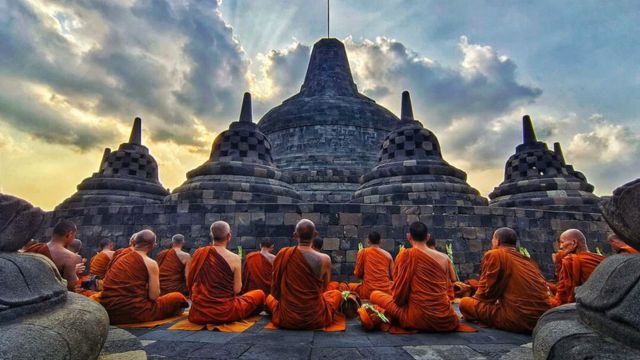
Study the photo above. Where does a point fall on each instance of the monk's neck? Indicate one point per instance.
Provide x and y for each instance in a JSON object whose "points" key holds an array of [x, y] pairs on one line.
{"points": [[265, 252], [374, 246], [220, 247], [56, 243], [177, 248], [507, 247]]}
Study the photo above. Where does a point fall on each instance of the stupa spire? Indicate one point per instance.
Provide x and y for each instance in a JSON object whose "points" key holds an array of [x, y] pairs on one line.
{"points": [[406, 112], [136, 132], [245, 111], [557, 149], [328, 73], [528, 134]]}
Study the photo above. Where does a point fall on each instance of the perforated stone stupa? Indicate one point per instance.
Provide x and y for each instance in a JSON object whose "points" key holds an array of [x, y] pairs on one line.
{"points": [[328, 134], [411, 170], [239, 170], [536, 177], [127, 176]]}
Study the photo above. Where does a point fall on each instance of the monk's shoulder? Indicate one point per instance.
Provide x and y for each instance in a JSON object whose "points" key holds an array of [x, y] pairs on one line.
{"points": [[386, 254]]}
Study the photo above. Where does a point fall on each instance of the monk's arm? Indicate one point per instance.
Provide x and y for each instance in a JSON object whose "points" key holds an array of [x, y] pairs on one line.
{"points": [[452, 272], [564, 288], [358, 271], [326, 270], [488, 285], [237, 276], [391, 263], [154, 280], [401, 279], [69, 274]]}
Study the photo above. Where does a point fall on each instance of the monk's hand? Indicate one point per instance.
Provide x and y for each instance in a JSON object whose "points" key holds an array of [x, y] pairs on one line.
{"points": [[80, 267]]}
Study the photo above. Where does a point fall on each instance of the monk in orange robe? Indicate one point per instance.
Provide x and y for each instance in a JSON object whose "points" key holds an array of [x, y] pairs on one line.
{"points": [[258, 269], [619, 246], [172, 263], [419, 298], [374, 266], [577, 265], [122, 251], [132, 287], [68, 263], [461, 287], [100, 261], [512, 292], [214, 277], [298, 299]]}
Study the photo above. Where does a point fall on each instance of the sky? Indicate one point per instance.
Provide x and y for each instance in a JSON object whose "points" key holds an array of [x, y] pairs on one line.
{"points": [[74, 75]]}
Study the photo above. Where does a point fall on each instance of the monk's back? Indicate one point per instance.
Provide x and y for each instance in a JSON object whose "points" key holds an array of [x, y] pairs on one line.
{"points": [[430, 283], [126, 287], [171, 272], [588, 261]]}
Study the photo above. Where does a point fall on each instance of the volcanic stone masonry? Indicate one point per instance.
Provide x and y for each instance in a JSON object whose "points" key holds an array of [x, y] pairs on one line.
{"points": [[334, 156]]}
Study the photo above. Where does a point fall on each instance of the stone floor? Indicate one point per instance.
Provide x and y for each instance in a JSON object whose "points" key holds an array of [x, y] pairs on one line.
{"points": [[354, 343]]}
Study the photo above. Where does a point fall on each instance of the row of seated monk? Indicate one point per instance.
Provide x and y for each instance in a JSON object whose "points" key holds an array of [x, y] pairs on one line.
{"points": [[414, 292]]}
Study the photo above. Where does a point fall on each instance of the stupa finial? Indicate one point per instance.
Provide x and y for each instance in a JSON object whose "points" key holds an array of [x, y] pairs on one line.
{"points": [[406, 112], [528, 134], [136, 132], [245, 111], [557, 149]]}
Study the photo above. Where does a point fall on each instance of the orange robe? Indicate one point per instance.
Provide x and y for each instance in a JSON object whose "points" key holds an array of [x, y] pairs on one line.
{"points": [[512, 292], [210, 279], [116, 255], [171, 272], [420, 299], [99, 263], [627, 250], [257, 273], [40, 248], [372, 266], [297, 299], [126, 295], [575, 270]]}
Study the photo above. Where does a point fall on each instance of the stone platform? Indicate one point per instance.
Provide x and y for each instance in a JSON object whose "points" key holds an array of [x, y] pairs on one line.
{"points": [[354, 343]]}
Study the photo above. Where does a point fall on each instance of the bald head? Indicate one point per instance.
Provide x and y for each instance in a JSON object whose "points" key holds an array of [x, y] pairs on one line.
{"points": [[177, 240], [305, 231], [75, 246], [573, 241], [145, 240], [220, 232], [132, 239], [505, 237]]}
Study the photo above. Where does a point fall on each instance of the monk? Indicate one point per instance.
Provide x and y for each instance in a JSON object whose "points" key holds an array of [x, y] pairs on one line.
{"points": [[214, 277], [68, 263], [123, 251], [258, 269], [172, 263], [419, 298], [132, 287], [99, 263], [619, 246], [374, 266], [297, 299], [456, 286], [577, 265], [512, 292], [317, 244]]}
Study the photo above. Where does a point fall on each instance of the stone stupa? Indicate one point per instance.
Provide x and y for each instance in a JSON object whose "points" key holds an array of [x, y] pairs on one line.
{"points": [[411, 170]]}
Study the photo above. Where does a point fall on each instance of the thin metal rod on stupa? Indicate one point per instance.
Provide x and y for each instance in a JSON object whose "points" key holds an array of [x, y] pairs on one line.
{"points": [[136, 132], [406, 111], [328, 19], [528, 134], [245, 111]]}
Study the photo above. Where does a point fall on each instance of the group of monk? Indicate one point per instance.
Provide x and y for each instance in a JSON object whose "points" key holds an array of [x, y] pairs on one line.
{"points": [[413, 292]]}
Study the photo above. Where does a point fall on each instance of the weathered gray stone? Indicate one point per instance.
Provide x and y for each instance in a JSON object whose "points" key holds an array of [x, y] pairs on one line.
{"points": [[622, 212], [19, 222]]}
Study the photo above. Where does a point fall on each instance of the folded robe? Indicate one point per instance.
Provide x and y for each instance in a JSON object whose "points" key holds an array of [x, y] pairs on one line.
{"points": [[210, 280], [575, 270], [512, 292], [257, 273], [126, 296], [420, 299], [297, 300], [99, 263], [171, 272], [40, 248], [117, 255], [372, 266]]}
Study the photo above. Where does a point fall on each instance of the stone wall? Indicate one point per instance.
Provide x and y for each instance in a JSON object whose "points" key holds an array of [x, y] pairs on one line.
{"points": [[341, 226]]}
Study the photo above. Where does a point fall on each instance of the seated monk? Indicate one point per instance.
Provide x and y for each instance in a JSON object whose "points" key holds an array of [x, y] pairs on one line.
{"points": [[374, 266], [300, 273], [619, 246], [577, 265], [99, 263], [131, 291], [172, 263], [512, 293], [214, 277], [258, 269], [68, 263], [455, 284], [419, 299]]}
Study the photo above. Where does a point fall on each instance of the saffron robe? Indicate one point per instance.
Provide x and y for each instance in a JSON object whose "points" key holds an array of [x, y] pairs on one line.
{"points": [[99, 263], [575, 270], [126, 296], [257, 273], [512, 292], [420, 294], [372, 266], [297, 299], [210, 280], [42, 249], [172, 277], [626, 249], [117, 254]]}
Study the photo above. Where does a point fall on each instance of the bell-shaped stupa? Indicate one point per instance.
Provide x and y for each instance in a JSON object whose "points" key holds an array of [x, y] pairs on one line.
{"points": [[411, 170], [127, 176], [240, 169], [538, 178]]}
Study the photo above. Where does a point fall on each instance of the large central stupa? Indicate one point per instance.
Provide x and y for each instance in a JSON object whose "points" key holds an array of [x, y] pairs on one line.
{"points": [[329, 134]]}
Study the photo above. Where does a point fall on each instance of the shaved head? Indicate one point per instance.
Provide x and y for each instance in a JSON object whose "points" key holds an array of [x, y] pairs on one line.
{"points": [[75, 246], [132, 239], [106, 243], [506, 236], [220, 230], [177, 239], [145, 239], [573, 240], [305, 231]]}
